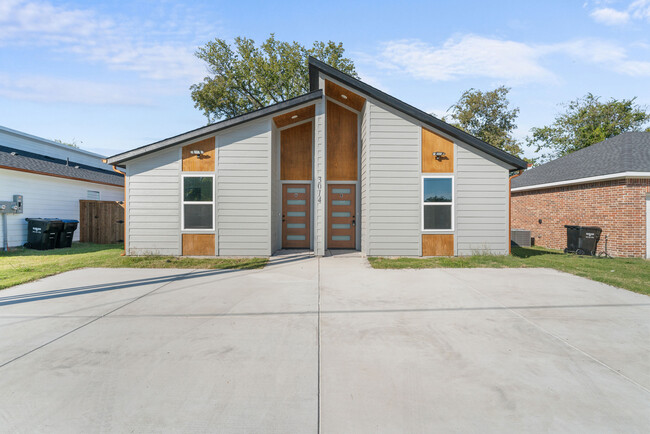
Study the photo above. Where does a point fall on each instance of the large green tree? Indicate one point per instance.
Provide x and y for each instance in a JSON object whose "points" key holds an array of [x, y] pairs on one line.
{"points": [[584, 122], [243, 76], [488, 116]]}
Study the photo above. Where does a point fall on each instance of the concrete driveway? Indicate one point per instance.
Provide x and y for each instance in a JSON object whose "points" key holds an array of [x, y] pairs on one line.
{"points": [[323, 344]]}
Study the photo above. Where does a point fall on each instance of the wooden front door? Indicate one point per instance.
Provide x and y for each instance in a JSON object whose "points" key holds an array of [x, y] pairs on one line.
{"points": [[296, 205], [341, 218]]}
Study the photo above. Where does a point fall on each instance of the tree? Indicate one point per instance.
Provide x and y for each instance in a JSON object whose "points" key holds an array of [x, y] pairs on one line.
{"points": [[72, 144], [487, 116], [245, 77], [587, 121]]}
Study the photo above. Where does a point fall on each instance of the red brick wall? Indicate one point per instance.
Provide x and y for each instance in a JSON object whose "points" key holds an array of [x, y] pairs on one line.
{"points": [[617, 206]]}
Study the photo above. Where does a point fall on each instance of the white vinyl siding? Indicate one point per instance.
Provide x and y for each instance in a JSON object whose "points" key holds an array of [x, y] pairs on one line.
{"points": [[154, 205], [244, 190], [46, 196], [481, 202], [393, 196]]}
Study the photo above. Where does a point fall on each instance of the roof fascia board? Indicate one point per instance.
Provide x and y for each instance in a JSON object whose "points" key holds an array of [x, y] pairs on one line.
{"points": [[316, 66], [609, 177], [198, 133]]}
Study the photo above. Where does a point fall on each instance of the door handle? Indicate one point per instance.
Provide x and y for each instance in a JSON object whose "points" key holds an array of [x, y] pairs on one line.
{"points": [[283, 219]]}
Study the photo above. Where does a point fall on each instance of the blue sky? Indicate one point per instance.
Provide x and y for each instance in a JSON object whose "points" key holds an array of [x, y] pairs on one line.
{"points": [[114, 75]]}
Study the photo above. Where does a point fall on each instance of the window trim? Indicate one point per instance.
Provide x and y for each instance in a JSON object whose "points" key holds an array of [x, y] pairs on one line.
{"points": [[194, 202], [452, 204]]}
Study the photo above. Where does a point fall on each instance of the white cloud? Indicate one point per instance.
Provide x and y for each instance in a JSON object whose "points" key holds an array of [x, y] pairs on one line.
{"points": [[120, 46], [48, 89], [637, 10], [511, 62], [468, 56]]}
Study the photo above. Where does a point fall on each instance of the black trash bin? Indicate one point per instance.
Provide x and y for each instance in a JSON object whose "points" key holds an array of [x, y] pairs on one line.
{"points": [[588, 242], [582, 240], [65, 236], [572, 238], [42, 233]]}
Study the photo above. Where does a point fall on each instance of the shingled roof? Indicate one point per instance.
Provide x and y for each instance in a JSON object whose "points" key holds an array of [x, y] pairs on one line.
{"points": [[625, 153], [16, 159]]}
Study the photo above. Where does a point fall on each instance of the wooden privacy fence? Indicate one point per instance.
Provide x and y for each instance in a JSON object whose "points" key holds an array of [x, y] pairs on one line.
{"points": [[101, 222]]}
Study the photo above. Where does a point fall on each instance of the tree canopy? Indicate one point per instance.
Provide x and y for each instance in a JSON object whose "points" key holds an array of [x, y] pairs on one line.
{"points": [[246, 77], [488, 116], [586, 121]]}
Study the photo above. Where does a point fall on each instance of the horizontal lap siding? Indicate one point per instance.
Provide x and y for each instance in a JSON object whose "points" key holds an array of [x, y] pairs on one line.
{"points": [[481, 203], [393, 197], [244, 191], [153, 204], [364, 179], [46, 196]]}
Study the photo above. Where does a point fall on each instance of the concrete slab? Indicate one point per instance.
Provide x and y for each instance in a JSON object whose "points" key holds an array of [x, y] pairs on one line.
{"points": [[327, 345]]}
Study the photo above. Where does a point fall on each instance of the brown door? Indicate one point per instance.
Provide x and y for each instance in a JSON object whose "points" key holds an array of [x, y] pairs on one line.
{"points": [[341, 219], [295, 215]]}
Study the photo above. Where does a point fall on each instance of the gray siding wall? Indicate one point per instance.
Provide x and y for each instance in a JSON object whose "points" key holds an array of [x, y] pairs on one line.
{"points": [[365, 114], [481, 203], [153, 204], [244, 190], [319, 177], [393, 191]]}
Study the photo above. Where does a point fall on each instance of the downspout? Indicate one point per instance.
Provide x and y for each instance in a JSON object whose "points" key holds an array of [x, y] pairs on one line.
{"points": [[124, 233], [510, 210]]}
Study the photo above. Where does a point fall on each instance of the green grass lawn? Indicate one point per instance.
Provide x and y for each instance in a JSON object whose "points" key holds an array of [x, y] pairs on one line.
{"points": [[24, 265], [628, 273]]}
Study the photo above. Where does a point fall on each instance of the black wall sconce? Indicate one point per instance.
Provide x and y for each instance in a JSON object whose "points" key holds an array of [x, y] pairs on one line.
{"points": [[439, 155]]}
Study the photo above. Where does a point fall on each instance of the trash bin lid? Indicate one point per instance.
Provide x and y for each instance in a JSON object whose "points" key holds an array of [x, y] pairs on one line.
{"points": [[69, 221], [36, 219]]}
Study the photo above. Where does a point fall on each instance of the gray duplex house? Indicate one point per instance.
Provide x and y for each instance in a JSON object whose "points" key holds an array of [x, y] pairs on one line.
{"points": [[344, 166]]}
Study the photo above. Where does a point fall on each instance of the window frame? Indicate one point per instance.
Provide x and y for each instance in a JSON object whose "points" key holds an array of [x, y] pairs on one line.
{"points": [[452, 203], [194, 202]]}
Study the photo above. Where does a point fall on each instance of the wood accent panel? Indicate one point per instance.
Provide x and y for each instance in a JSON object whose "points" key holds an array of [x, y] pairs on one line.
{"points": [[101, 221], [432, 142], [295, 153], [437, 245], [335, 91], [200, 163], [342, 137], [287, 219], [302, 114], [198, 244], [350, 220]]}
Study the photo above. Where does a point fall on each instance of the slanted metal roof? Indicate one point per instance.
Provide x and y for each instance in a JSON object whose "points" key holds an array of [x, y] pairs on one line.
{"points": [[627, 152], [316, 65], [15, 159], [213, 128]]}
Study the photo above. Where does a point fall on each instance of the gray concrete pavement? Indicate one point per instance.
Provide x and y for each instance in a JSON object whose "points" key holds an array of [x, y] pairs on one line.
{"points": [[328, 344]]}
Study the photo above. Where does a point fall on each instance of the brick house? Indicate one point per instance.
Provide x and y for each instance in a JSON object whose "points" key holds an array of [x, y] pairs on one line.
{"points": [[605, 185]]}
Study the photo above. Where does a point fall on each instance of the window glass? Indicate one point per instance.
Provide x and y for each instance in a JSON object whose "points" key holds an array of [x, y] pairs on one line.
{"points": [[437, 190], [437, 217], [198, 188], [198, 216]]}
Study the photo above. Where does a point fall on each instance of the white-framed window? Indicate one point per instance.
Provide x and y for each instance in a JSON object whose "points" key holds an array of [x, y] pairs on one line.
{"points": [[438, 203], [92, 195], [198, 202]]}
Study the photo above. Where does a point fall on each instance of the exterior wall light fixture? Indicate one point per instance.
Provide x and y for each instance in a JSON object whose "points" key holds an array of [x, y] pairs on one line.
{"points": [[439, 155], [196, 152]]}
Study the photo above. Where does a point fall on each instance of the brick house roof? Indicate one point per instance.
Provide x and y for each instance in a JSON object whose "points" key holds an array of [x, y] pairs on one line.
{"points": [[627, 152]]}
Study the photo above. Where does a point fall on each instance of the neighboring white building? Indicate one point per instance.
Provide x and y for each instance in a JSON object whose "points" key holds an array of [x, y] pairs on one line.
{"points": [[52, 178]]}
